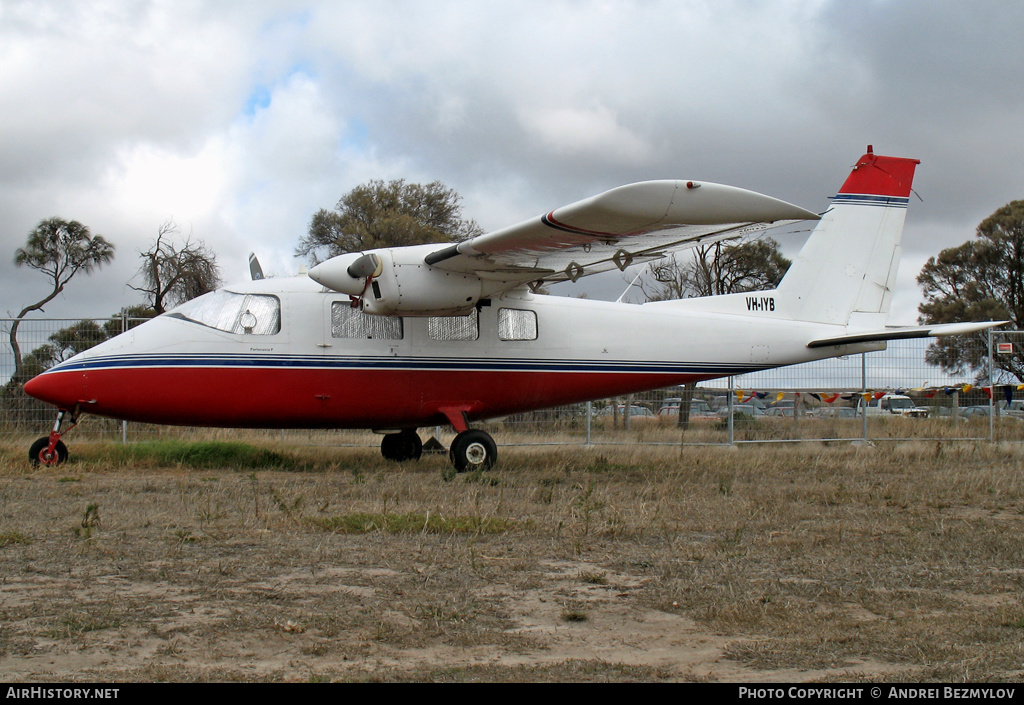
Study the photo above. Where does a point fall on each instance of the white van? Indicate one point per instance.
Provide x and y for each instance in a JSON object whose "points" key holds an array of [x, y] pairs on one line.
{"points": [[895, 404]]}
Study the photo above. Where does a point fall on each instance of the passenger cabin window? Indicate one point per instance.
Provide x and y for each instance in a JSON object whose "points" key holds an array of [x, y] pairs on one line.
{"points": [[453, 327], [348, 322], [245, 314], [517, 324]]}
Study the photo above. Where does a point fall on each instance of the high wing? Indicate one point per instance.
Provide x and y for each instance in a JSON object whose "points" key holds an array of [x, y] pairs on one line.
{"points": [[628, 225]]}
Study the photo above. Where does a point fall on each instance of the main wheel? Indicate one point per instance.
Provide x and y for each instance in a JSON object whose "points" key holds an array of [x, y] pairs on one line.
{"points": [[473, 450], [401, 446], [39, 453]]}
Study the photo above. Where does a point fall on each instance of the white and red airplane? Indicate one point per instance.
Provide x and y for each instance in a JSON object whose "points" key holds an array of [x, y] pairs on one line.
{"points": [[398, 339]]}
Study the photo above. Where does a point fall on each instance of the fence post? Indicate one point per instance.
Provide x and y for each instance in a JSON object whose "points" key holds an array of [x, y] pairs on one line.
{"points": [[590, 415], [124, 424], [732, 392], [991, 391], [863, 400]]}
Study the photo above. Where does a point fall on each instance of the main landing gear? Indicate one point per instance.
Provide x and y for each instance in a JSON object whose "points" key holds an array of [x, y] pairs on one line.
{"points": [[402, 446], [471, 450], [50, 450]]}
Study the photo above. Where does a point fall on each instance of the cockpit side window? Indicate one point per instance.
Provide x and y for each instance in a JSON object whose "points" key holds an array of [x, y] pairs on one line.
{"points": [[244, 314]]}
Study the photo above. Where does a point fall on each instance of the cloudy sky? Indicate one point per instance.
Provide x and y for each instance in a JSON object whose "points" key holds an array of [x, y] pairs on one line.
{"points": [[239, 120]]}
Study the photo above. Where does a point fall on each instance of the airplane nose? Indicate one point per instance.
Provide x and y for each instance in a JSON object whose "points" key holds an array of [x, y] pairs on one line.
{"points": [[63, 389]]}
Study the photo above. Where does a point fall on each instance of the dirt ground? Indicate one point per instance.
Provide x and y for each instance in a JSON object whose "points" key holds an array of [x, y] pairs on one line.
{"points": [[760, 565]]}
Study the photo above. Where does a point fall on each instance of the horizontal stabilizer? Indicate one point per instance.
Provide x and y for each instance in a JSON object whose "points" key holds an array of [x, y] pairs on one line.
{"points": [[905, 332]]}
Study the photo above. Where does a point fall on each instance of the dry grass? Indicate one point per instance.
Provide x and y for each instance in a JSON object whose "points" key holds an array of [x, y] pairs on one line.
{"points": [[899, 562]]}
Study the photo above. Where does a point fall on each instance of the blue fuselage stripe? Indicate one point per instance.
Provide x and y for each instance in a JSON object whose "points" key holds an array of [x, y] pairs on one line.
{"points": [[403, 363]]}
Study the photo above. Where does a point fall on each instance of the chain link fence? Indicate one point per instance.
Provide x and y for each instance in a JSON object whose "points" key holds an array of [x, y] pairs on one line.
{"points": [[887, 395], [1004, 407], [33, 345]]}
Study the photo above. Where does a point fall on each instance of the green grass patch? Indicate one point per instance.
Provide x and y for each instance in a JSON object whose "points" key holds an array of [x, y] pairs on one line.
{"points": [[8, 538], [82, 622], [203, 455], [412, 523], [574, 615]]}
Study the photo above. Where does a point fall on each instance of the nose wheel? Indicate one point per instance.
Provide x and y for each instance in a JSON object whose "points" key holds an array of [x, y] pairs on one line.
{"points": [[40, 453], [50, 450]]}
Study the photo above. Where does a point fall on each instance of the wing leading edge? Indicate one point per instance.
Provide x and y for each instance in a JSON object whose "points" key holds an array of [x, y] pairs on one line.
{"points": [[627, 225]]}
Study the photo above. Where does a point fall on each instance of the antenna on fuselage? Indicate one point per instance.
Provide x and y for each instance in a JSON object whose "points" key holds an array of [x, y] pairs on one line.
{"points": [[623, 294]]}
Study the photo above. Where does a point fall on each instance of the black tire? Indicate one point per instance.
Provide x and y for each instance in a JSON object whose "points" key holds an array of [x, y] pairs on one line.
{"points": [[473, 450], [37, 454], [401, 447]]}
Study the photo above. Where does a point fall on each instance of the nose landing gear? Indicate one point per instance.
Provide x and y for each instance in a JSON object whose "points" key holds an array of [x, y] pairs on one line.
{"points": [[50, 450]]}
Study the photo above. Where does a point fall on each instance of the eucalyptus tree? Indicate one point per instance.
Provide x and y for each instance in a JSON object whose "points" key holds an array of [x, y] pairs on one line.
{"points": [[59, 249]]}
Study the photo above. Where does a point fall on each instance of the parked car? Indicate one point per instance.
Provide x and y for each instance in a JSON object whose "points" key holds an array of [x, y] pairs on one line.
{"points": [[699, 409], [984, 411], [1015, 409], [780, 412], [742, 410], [722, 402], [636, 412], [836, 412]]}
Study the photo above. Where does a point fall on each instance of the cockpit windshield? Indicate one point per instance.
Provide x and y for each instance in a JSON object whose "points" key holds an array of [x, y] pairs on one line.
{"points": [[245, 314]]}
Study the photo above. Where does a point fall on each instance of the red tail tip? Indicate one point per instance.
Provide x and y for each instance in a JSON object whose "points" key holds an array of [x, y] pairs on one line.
{"points": [[881, 176]]}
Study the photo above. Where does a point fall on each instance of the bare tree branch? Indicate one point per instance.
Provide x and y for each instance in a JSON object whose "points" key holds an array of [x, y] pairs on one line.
{"points": [[173, 274]]}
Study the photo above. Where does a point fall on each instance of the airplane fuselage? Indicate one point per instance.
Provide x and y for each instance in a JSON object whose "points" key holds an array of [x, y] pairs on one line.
{"points": [[323, 364]]}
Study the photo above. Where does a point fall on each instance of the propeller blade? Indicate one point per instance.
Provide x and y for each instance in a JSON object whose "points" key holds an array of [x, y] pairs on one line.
{"points": [[255, 270]]}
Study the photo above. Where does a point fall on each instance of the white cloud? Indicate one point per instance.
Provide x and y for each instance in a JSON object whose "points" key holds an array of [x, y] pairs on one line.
{"points": [[594, 133], [148, 178]]}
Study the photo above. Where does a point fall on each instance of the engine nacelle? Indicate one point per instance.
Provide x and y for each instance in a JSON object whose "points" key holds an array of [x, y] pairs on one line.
{"points": [[398, 282]]}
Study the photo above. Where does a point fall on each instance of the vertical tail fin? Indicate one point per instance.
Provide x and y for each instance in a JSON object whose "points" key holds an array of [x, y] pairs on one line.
{"points": [[848, 265]]}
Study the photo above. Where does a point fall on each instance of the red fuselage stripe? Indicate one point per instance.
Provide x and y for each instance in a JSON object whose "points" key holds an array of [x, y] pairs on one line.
{"points": [[323, 398]]}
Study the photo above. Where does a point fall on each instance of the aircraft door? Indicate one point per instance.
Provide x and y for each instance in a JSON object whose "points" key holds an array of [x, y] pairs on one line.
{"points": [[361, 376]]}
